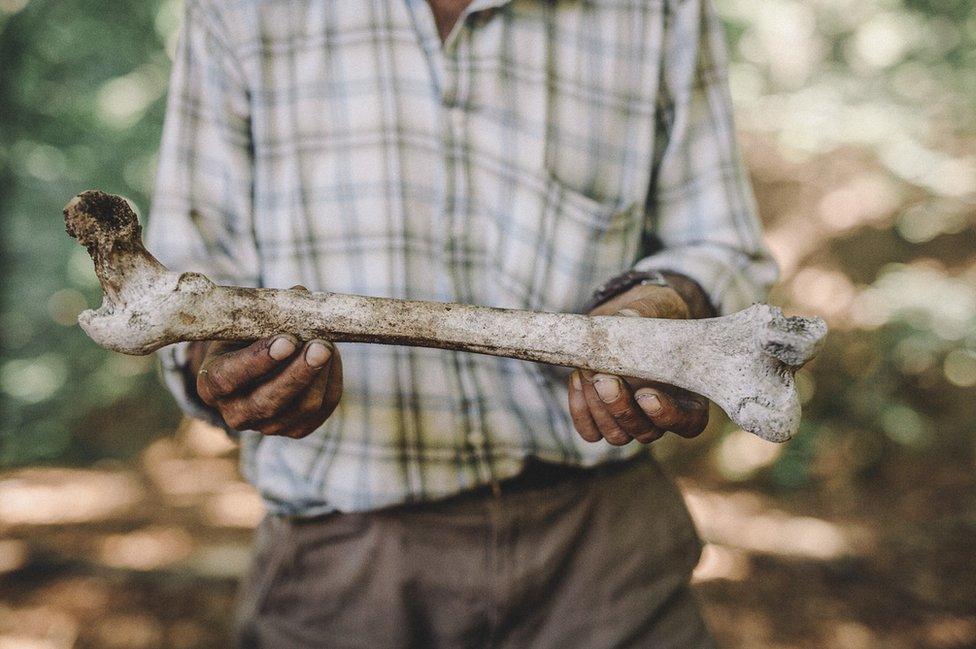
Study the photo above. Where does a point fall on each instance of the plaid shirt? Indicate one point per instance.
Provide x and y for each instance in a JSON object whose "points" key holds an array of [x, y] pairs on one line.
{"points": [[542, 149]]}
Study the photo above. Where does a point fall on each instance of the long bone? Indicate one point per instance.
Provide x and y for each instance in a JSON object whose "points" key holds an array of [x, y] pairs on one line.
{"points": [[743, 362]]}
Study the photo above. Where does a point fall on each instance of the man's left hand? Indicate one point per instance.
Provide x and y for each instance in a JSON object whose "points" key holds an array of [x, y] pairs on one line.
{"points": [[621, 409]]}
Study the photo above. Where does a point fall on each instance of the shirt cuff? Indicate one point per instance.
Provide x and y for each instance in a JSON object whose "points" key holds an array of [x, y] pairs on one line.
{"points": [[173, 362], [731, 280]]}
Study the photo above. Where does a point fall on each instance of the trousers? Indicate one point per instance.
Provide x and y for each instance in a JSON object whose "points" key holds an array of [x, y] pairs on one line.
{"points": [[558, 557]]}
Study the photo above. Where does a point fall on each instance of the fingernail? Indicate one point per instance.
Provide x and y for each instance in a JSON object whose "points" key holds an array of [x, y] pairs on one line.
{"points": [[577, 384], [281, 348], [607, 387], [632, 313], [650, 403], [317, 354]]}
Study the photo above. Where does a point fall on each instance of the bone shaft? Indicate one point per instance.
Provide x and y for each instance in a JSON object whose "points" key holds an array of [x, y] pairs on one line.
{"points": [[560, 339]]}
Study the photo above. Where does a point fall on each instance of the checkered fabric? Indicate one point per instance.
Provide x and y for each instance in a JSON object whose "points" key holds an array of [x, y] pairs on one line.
{"points": [[544, 147]]}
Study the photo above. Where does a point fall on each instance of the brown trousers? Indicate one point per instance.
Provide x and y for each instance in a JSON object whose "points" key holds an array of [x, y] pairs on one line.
{"points": [[556, 558]]}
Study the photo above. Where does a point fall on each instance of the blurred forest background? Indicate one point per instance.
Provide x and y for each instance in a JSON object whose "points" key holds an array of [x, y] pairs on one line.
{"points": [[121, 526]]}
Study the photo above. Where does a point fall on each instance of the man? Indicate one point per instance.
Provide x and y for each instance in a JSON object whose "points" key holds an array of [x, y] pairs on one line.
{"points": [[509, 153]]}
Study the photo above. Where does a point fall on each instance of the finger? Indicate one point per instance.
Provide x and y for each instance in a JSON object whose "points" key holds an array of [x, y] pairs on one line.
{"points": [[686, 416], [333, 386], [619, 401], [313, 406], [580, 411], [605, 422], [273, 398], [311, 403], [224, 374], [695, 408]]}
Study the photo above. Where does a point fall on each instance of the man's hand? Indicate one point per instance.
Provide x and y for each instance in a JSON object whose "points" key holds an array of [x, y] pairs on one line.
{"points": [[267, 386], [621, 409]]}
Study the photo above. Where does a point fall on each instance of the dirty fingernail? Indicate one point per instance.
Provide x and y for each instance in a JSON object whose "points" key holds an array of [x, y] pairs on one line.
{"points": [[317, 354], [607, 387], [577, 384], [650, 403], [281, 348]]}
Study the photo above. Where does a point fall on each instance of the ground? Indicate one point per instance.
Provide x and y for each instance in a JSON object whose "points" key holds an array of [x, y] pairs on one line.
{"points": [[147, 555]]}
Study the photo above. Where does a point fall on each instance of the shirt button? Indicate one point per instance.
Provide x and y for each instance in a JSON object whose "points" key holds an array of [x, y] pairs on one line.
{"points": [[476, 439]]}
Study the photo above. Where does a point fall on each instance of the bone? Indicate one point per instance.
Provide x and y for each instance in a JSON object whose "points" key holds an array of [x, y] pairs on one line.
{"points": [[744, 362]]}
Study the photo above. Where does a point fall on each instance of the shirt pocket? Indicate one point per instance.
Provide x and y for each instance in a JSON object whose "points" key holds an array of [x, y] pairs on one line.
{"points": [[572, 244]]}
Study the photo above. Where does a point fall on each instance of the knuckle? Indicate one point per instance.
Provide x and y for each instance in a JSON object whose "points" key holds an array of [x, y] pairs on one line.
{"points": [[312, 403], [251, 415], [616, 436], [295, 378], [234, 418], [262, 407], [626, 416], [221, 381]]}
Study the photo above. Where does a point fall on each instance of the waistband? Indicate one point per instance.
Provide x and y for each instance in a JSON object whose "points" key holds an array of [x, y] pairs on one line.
{"points": [[536, 476]]}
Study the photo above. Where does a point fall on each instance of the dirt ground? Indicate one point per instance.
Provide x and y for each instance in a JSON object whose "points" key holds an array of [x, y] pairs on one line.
{"points": [[147, 555]]}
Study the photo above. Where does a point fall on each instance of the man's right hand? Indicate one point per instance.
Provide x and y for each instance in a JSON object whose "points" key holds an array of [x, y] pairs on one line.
{"points": [[267, 386]]}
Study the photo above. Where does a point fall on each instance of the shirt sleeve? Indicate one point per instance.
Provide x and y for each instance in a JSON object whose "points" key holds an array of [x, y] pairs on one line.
{"points": [[201, 215], [701, 214]]}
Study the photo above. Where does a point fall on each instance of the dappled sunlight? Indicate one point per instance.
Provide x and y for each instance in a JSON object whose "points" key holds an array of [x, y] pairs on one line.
{"points": [[748, 521], [721, 562], [852, 635], [146, 549], [78, 595], [866, 200], [924, 296], [236, 505], [740, 454], [204, 440], [221, 560], [37, 627], [829, 293], [951, 631], [13, 555], [129, 631], [122, 101], [79, 570], [182, 477], [63, 496]]}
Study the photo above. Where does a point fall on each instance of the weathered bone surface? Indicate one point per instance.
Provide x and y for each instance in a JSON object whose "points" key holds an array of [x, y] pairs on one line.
{"points": [[743, 362]]}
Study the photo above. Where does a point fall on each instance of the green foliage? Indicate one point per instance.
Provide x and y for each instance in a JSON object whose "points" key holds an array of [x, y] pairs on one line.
{"points": [[63, 397]]}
